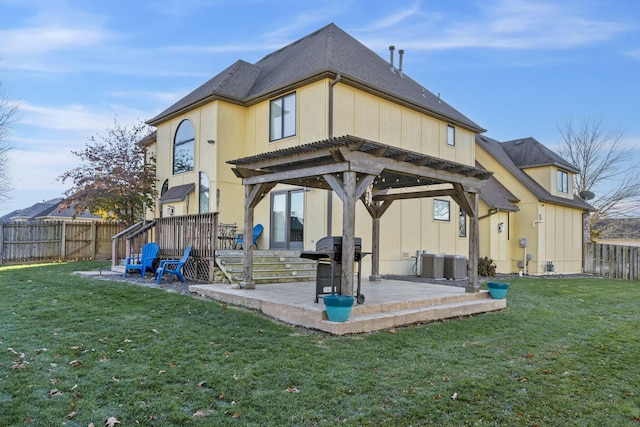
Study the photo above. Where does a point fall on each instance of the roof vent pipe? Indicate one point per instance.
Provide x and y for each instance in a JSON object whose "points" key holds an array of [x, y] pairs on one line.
{"points": [[400, 53], [391, 49]]}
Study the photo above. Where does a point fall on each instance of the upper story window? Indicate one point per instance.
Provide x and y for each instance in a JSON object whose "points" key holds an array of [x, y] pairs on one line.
{"points": [[282, 113], [563, 182], [451, 136], [441, 210], [203, 193], [183, 148]]}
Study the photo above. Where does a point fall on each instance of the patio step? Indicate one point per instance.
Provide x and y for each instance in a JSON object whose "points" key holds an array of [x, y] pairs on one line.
{"points": [[269, 266], [373, 315]]}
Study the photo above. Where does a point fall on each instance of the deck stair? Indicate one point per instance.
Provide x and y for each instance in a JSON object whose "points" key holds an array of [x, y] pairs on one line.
{"points": [[269, 266]]}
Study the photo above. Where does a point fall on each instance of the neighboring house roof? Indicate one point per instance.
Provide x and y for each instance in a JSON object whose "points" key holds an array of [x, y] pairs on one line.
{"points": [[328, 52], [519, 151], [53, 209], [32, 211], [177, 193], [149, 139], [529, 153]]}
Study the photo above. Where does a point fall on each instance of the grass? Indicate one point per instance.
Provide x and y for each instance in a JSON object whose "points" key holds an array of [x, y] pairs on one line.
{"points": [[75, 351]]}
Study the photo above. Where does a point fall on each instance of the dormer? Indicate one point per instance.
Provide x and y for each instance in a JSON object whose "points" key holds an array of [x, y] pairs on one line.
{"points": [[544, 166]]}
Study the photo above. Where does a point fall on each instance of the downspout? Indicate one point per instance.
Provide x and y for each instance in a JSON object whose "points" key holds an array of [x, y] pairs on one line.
{"points": [[330, 135], [331, 85]]}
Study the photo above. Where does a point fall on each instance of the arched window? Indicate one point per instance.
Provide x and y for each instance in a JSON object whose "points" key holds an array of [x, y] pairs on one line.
{"points": [[204, 193], [183, 148], [165, 187]]}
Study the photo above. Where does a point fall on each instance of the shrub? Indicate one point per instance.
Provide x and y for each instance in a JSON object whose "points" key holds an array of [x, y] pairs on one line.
{"points": [[486, 267]]}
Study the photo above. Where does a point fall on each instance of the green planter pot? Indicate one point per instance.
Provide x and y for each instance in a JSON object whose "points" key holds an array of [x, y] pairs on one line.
{"points": [[498, 290], [338, 307]]}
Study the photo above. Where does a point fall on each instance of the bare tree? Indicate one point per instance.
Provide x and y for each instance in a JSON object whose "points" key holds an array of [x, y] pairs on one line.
{"points": [[8, 115], [607, 168], [114, 179]]}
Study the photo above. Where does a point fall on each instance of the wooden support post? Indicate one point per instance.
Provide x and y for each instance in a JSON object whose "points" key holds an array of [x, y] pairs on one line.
{"points": [[375, 249], [348, 231], [474, 246], [247, 247]]}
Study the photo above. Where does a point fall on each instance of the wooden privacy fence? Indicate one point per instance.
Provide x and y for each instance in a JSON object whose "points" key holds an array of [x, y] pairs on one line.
{"points": [[614, 261], [55, 241]]}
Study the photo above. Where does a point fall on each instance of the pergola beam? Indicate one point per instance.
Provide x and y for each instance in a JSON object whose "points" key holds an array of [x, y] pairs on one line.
{"points": [[350, 166]]}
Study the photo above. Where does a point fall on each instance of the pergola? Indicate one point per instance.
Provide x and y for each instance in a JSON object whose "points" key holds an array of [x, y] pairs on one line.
{"points": [[356, 168]]}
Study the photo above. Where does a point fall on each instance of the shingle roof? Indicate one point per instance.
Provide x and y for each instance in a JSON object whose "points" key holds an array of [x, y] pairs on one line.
{"points": [[177, 193], [50, 209], [529, 153], [519, 151], [327, 52], [497, 196], [32, 211]]}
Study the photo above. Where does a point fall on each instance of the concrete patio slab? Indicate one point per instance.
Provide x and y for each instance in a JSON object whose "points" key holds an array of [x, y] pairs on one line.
{"points": [[388, 304]]}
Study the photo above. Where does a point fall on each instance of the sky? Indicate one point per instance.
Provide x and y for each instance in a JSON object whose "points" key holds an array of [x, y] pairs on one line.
{"points": [[518, 68]]}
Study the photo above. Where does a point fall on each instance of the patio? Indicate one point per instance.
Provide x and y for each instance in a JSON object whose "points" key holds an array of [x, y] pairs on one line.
{"points": [[388, 304]]}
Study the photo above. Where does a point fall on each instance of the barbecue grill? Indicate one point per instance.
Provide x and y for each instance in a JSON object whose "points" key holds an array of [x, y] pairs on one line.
{"points": [[328, 254]]}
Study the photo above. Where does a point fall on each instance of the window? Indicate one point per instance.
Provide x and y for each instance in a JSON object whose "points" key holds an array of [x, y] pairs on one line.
{"points": [[282, 123], [183, 147], [451, 136], [203, 193], [165, 187], [563, 182], [441, 210], [462, 224]]}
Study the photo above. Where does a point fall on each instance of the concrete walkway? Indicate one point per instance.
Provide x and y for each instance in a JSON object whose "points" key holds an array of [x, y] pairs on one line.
{"points": [[388, 304]]}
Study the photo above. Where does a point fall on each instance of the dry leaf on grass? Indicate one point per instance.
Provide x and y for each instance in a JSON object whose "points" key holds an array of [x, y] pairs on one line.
{"points": [[292, 389], [111, 422]]}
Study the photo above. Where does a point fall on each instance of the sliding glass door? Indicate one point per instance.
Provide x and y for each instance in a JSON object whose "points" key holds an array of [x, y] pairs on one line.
{"points": [[287, 220]]}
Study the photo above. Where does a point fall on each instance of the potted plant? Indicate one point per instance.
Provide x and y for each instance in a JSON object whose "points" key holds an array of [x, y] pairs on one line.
{"points": [[497, 290], [338, 307]]}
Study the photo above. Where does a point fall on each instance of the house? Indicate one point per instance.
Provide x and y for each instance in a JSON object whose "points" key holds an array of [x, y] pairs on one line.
{"points": [[311, 103], [49, 210], [531, 220]]}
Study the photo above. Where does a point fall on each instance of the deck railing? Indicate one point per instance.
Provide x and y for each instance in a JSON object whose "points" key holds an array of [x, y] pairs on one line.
{"points": [[174, 234]]}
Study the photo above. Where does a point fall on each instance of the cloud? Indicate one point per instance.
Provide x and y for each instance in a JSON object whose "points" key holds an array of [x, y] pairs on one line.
{"points": [[49, 165], [395, 18], [633, 53], [509, 25], [32, 41], [77, 117]]}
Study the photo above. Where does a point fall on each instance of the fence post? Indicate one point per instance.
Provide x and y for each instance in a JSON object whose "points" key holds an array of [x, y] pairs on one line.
{"points": [[94, 240], [63, 241], [1, 242]]}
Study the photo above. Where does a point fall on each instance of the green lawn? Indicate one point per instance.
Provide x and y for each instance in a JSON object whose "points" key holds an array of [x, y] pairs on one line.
{"points": [[75, 351]]}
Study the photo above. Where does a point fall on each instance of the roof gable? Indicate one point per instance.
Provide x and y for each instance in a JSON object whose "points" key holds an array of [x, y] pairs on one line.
{"points": [[529, 153], [498, 152], [327, 52]]}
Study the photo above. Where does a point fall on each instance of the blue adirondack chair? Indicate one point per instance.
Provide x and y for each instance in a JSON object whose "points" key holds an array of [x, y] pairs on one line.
{"points": [[173, 266], [257, 231], [144, 260]]}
